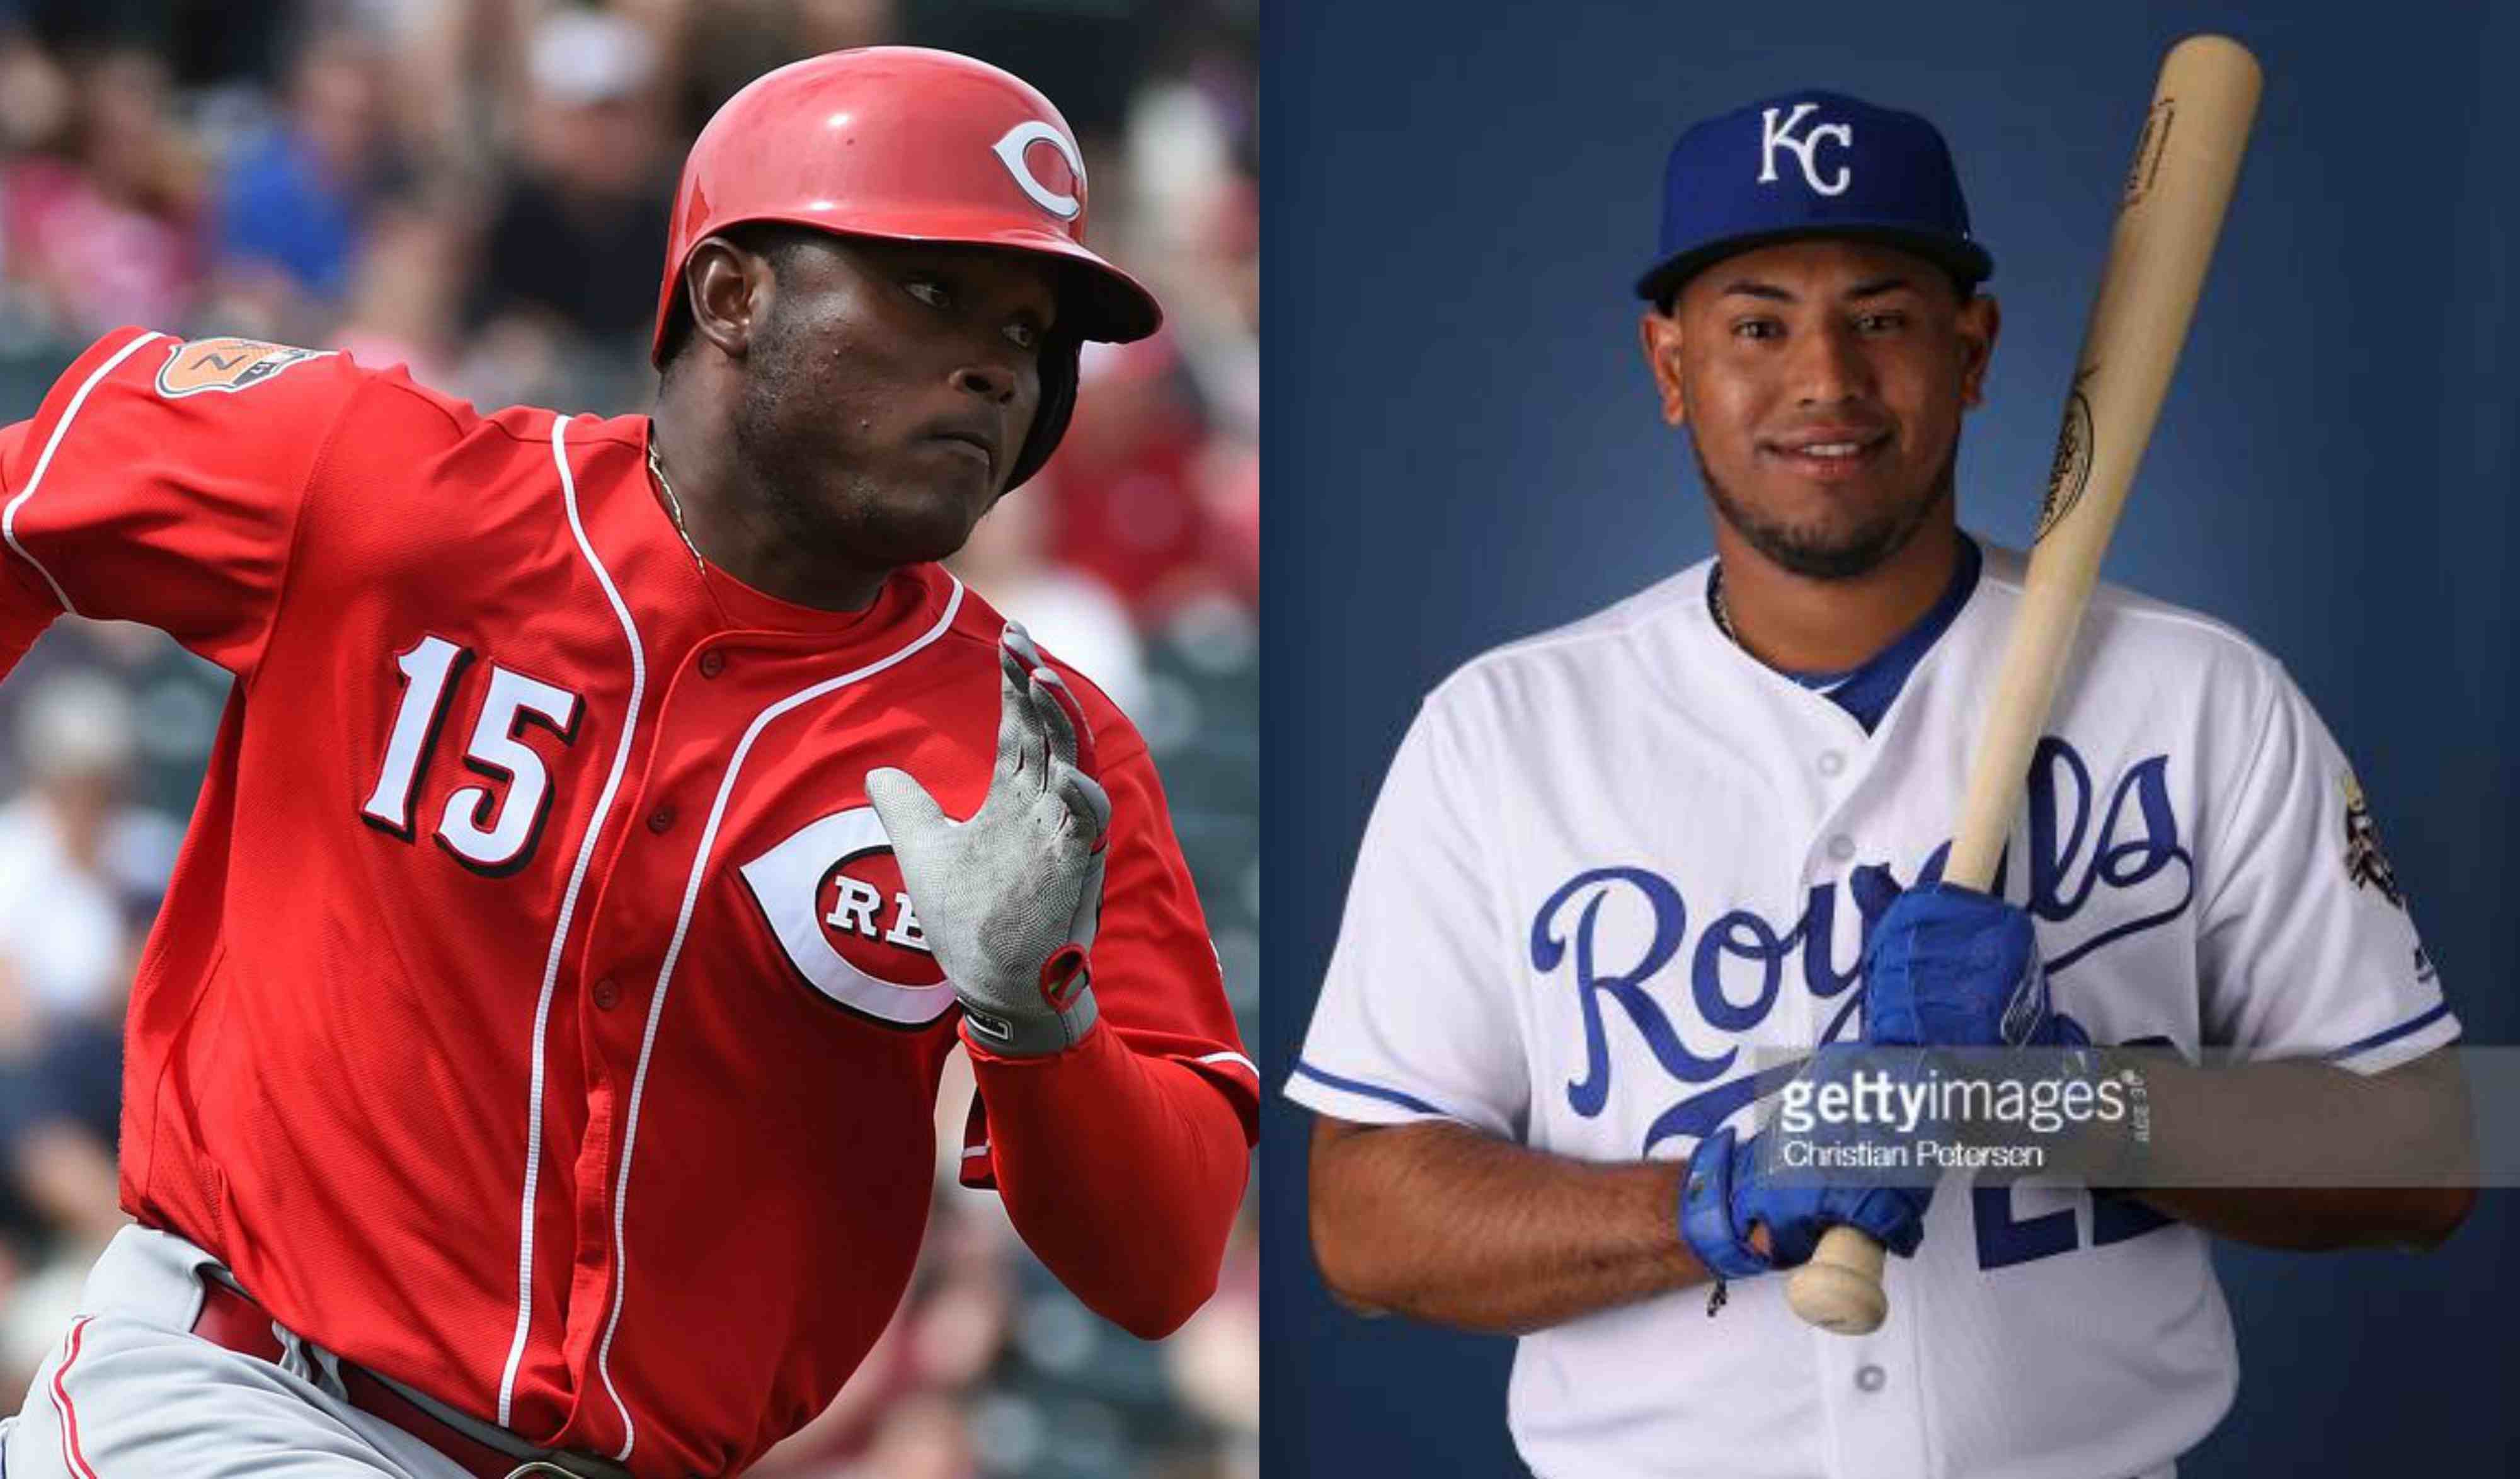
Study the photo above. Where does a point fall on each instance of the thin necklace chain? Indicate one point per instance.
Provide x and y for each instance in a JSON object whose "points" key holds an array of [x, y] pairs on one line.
{"points": [[1714, 593], [674, 505]]}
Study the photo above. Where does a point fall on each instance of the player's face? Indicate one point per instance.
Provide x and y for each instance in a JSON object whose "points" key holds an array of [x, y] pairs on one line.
{"points": [[890, 387], [1823, 384]]}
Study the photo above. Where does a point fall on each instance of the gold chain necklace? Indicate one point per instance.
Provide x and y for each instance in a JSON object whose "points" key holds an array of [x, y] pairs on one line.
{"points": [[673, 504], [1714, 599]]}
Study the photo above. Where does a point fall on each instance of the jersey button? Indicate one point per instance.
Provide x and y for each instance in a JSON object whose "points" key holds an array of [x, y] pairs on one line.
{"points": [[712, 662], [661, 819], [1832, 763], [608, 994], [1841, 847], [1872, 1378]]}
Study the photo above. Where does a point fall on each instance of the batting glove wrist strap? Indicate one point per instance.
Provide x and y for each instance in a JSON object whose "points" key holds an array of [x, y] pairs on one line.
{"points": [[1066, 987], [1706, 1191]]}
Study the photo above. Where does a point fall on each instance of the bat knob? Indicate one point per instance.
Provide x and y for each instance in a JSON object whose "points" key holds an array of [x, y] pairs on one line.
{"points": [[1841, 1289]]}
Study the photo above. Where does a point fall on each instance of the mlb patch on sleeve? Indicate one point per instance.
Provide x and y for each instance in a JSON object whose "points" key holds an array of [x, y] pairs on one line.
{"points": [[229, 365]]}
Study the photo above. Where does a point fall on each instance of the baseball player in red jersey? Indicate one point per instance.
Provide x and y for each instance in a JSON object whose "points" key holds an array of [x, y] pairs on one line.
{"points": [[533, 1069]]}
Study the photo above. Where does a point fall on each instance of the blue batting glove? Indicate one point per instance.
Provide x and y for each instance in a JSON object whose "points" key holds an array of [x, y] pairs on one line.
{"points": [[1952, 967], [1722, 1197]]}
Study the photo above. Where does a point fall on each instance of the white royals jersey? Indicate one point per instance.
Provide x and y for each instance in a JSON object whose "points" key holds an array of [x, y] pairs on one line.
{"points": [[1611, 859]]}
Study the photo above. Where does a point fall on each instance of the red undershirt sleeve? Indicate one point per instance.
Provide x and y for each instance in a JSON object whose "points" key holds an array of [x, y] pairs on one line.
{"points": [[1123, 1160], [1122, 1172]]}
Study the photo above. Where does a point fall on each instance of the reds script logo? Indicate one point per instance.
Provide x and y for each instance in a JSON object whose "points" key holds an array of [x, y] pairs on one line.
{"points": [[1773, 135], [833, 896], [1064, 194], [227, 365]]}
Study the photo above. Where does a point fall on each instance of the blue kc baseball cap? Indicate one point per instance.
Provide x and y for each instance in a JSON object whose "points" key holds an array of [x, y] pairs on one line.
{"points": [[1810, 164]]}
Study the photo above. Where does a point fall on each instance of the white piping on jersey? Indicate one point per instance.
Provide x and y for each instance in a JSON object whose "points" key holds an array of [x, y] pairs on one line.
{"points": [[673, 954], [9, 516], [568, 912]]}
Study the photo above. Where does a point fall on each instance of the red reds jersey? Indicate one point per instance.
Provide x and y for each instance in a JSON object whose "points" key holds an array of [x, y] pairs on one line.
{"points": [[536, 1014]]}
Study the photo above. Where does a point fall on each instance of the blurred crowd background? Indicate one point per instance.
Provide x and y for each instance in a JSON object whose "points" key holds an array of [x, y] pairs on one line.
{"points": [[479, 189]]}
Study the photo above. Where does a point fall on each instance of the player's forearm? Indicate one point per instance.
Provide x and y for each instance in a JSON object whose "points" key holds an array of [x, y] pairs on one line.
{"points": [[1122, 1173], [2315, 1218], [1441, 1222], [2306, 1155]]}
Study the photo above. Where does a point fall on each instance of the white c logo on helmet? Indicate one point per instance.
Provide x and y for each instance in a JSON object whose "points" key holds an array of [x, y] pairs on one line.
{"points": [[1010, 151]]}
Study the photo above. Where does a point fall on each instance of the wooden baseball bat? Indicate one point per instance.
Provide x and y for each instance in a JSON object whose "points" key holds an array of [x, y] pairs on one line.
{"points": [[2185, 163]]}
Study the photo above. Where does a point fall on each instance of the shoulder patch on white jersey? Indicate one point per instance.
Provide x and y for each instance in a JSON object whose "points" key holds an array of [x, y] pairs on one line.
{"points": [[227, 365], [2364, 863]]}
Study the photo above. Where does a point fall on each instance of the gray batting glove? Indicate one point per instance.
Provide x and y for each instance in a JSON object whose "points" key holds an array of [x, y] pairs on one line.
{"points": [[1008, 901]]}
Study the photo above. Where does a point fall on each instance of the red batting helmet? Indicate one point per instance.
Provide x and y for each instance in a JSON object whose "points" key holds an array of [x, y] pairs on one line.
{"points": [[913, 145]]}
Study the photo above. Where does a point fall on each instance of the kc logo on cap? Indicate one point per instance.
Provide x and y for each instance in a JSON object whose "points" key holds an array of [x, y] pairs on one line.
{"points": [[1773, 136], [1810, 164]]}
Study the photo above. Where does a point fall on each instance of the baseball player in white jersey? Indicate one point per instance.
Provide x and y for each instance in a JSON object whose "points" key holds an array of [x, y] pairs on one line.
{"points": [[1613, 863]]}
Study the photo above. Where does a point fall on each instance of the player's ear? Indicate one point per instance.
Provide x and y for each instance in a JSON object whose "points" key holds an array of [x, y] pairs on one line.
{"points": [[728, 289], [1661, 335], [1981, 319]]}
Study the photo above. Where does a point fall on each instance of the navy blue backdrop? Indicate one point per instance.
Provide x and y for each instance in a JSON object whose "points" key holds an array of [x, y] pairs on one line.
{"points": [[1461, 447]]}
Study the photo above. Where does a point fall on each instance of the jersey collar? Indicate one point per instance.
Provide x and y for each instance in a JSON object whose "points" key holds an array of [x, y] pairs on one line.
{"points": [[1866, 691]]}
